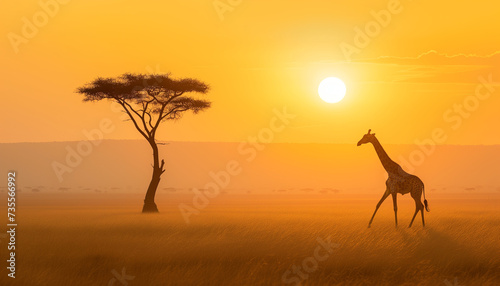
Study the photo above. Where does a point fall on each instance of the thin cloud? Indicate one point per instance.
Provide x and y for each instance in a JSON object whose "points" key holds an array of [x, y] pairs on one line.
{"points": [[433, 58], [434, 67]]}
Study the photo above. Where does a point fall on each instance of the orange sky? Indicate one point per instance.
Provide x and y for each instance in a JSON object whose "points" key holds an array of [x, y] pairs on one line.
{"points": [[258, 56]]}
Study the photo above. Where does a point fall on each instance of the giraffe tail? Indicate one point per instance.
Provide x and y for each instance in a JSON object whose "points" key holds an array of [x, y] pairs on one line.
{"points": [[425, 201]]}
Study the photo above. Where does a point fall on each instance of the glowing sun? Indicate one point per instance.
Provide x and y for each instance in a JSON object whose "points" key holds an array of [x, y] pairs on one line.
{"points": [[332, 89]]}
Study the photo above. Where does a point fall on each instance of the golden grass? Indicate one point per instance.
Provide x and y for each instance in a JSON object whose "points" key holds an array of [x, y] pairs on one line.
{"points": [[253, 240]]}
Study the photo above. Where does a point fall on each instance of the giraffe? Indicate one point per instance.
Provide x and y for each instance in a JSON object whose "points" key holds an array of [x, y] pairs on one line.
{"points": [[398, 182]]}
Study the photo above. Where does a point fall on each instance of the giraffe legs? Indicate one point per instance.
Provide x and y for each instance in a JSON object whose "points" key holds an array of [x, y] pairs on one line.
{"points": [[395, 202], [419, 207], [386, 194], [414, 215]]}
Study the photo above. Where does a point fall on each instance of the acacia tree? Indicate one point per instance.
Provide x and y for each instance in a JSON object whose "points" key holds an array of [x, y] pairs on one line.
{"points": [[149, 100]]}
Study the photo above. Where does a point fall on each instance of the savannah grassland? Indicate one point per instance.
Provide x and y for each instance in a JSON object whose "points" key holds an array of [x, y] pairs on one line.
{"points": [[251, 239]]}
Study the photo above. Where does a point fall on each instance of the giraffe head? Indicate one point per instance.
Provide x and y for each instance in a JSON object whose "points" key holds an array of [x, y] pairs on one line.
{"points": [[367, 138]]}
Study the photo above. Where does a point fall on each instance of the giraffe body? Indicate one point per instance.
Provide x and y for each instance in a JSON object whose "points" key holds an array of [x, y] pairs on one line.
{"points": [[399, 181], [403, 183]]}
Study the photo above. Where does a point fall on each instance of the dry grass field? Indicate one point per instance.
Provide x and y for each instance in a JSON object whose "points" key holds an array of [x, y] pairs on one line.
{"points": [[89, 239]]}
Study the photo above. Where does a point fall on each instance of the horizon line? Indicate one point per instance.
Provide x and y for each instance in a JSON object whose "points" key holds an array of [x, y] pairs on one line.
{"points": [[173, 141]]}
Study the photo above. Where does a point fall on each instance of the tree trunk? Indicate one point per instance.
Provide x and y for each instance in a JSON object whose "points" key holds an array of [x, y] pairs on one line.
{"points": [[149, 200]]}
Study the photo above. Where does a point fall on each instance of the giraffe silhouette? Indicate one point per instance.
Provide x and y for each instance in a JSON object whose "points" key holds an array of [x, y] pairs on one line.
{"points": [[398, 182]]}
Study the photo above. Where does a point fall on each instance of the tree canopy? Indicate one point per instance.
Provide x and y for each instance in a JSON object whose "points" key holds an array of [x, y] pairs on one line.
{"points": [[149, 99]]}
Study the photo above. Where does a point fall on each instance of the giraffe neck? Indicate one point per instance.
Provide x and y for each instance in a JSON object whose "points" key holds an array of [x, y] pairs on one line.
{"points": [[389, 165]]}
